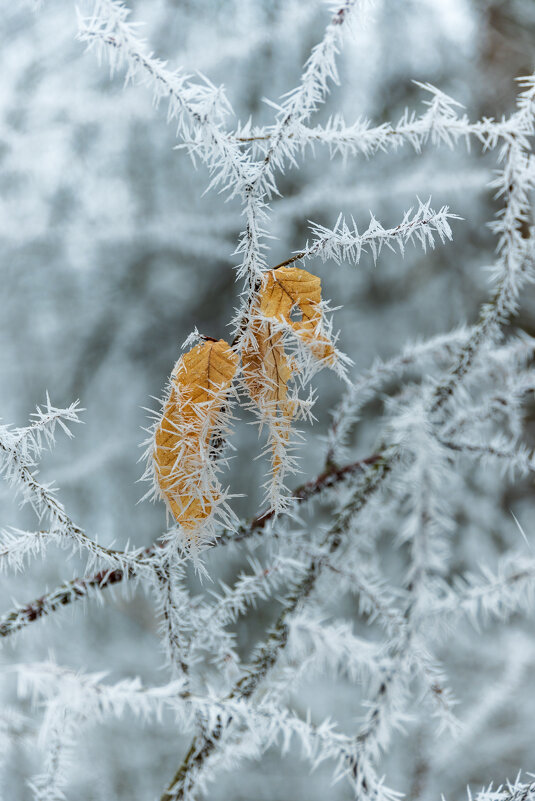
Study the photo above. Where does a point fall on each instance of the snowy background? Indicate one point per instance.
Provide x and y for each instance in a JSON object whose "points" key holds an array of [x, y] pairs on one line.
{"points": [[111, 254]]}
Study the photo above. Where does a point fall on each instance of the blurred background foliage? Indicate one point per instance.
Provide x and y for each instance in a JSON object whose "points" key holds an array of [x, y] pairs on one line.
{"points": [[110, 254]]}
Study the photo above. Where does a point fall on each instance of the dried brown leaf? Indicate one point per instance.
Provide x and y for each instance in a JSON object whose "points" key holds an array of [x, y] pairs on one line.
{"points": [[199, 383], [267, 369], [291, 288]]}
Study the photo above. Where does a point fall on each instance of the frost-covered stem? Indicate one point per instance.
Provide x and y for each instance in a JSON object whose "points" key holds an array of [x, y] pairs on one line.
{"points": [[383, 714], [268, 654], [253, 263], [330, 477], [192, 104], [515, 252], [43, 428], [173, 605], [426, 525], [386, 613], [386, 709], [345, 243], [421, 555], [491, 595], [371, 381], [277, 639], [246, 590], [509, 792], [48, 786], [44, 502], [394, 621], [493, 314], [370, 740], [320, 67], [436, 125], [514, 457], [303, 101], [84, 587], [421, 483], [76, 590]]}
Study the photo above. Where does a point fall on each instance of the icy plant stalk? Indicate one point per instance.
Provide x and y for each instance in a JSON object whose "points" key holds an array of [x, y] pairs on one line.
{"points": [[462, 411]]}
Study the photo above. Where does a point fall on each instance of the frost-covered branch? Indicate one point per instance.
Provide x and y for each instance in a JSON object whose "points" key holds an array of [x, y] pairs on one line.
{"points": [[302, 101], [344, 243], [440, 123], [511, 791], [368, 383], [497, 593], [75, 590], [370, 588], [268, 653], [86, 586], [19, 451], [193, 106], [298, 106], [515, 459], [514, 267]]}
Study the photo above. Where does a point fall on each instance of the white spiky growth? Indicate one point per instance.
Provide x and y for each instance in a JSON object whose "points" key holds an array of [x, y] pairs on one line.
{"points": [[406, 576]]}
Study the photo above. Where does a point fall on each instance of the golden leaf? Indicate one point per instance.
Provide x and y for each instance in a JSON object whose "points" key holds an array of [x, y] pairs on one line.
{"points": [[199, 384], [266, 372], [291, 288], [267, 368]]}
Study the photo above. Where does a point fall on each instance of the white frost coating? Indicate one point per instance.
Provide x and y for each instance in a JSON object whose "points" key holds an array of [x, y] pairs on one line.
{"points": [[452, 412]]}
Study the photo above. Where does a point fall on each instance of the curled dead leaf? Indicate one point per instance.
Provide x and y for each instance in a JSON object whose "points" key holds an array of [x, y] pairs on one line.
{"points": [[191, 418], [267, 369], [291, 288]]}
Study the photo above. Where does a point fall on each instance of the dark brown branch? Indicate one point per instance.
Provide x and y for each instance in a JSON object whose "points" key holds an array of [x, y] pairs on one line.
{"points": [[67, 593], [325, 480], [295, 257], [79, 588]]}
